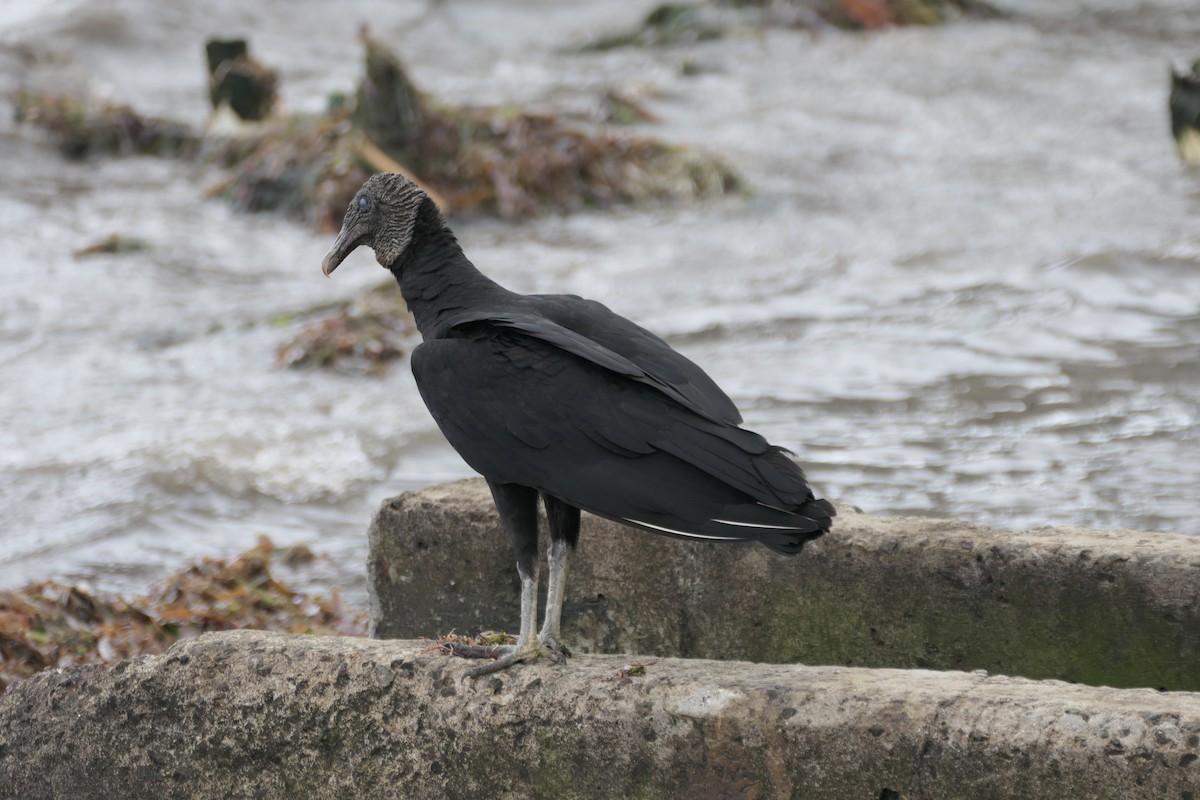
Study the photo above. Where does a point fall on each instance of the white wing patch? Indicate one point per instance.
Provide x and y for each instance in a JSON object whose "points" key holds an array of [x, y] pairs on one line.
{"points": [[737, 524], [688, 534]]}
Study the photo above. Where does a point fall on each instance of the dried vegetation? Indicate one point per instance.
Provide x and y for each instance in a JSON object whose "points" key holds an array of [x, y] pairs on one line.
{"points": [[51, 624], [82, 128], [358, 336], [473, 160]]}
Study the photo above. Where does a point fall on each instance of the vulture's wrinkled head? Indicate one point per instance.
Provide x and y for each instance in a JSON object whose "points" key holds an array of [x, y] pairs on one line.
{"points": [[381, 216]]}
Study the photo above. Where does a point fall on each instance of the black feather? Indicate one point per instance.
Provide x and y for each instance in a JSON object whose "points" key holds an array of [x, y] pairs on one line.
{"points": [[563, 397]]}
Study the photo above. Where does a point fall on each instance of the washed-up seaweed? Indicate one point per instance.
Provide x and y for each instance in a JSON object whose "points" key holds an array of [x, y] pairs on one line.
{"points": [[502, 161], [82, 128], [53, 624], [362, 335], [473, 160]]}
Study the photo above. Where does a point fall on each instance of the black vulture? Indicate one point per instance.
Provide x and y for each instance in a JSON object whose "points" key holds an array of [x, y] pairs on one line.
{"points": [[558, 397]]}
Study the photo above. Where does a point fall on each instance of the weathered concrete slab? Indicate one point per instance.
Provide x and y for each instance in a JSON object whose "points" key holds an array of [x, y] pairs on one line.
{"points": [[264, 715], [1118, 608]]}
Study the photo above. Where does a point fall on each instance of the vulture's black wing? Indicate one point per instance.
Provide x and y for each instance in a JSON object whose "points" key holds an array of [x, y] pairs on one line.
{"points": [[591, 331], [597, 323], [527, 401]]}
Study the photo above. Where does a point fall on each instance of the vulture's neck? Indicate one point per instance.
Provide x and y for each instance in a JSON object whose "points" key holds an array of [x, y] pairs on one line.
{"points": [[436, 278]]}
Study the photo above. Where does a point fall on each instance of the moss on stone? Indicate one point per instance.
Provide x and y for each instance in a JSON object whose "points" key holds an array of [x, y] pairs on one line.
{"points": [[1068, 626], [1116, 608]]}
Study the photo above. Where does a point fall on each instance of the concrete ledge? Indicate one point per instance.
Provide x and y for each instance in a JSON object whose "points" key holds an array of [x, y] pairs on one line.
{"points": [[264, 715], [1117, 608]]}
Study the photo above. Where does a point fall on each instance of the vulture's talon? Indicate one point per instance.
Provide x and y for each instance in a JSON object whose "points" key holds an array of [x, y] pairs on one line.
{"points": [[556, 651]]}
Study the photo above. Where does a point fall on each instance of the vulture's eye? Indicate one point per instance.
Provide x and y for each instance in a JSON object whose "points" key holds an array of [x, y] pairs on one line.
{"points": [[364, 202]]}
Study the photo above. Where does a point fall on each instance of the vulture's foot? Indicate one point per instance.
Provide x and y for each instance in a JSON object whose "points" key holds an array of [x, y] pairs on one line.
{"points": [[505, 655]]}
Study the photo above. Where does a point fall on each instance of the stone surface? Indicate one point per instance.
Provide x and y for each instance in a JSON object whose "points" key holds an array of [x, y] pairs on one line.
{"points": [[265, 715], [1118, 608]]}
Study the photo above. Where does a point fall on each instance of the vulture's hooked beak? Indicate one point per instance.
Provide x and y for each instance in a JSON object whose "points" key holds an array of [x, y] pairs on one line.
{"points": [[357, 228], [343, 246]]}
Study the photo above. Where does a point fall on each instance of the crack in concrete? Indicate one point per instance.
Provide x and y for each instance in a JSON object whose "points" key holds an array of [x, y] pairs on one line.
{"points": [[917, 775]]}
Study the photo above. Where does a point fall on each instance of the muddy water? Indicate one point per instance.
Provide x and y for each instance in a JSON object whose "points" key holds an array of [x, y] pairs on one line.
{"points": [[965, 279]]}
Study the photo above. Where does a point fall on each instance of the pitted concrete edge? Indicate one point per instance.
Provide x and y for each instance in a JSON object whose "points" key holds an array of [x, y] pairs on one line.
{"points": [[1101, 607], [253, 714]]}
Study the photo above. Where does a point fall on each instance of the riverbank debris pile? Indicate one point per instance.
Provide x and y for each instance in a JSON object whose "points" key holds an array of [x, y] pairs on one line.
{"points": [[359, 336], [82, 128], [499, 161], [52, 624]]}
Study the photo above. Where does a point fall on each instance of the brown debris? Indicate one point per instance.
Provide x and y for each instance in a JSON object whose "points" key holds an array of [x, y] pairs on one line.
{"points": [[628, 671], [510, 163], [305, 167], [361, 336], [51, 624], [517, 165], [487, 644], [81, 128], [471, 160], [484, 639], [113, 244]]}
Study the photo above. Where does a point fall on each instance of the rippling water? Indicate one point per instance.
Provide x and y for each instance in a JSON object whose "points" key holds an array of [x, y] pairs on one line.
{"points": [[964, 281]]}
